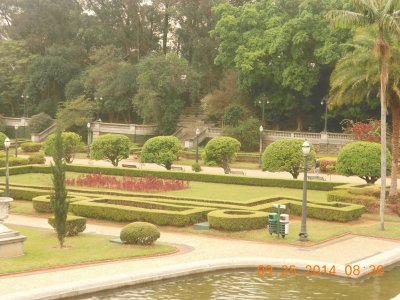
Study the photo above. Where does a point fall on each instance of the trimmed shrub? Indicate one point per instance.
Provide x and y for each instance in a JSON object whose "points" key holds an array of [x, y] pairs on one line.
{"points": [[72, 144], [326, 163], [31, 147], [13, 161], [2, 139], [196, 167], [362, 159], [286, 156], [74, 225], [237, 220], [161, 150], [40, 122], [221, 150], [139, 233], [113, 147], [371, 203], [37, 159]]}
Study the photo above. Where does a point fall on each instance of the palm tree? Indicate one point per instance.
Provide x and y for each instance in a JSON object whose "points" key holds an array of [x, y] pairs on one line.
{"points": [[356, 77], [385, 16]]}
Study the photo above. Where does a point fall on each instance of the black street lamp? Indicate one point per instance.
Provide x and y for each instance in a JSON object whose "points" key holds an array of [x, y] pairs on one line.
{"points": [[98, 100], [263, 99], [261, 146], [16, 140], [325, 101], [88, 140], [25, 97], [197, 144], [303, 236], [7, 147]]}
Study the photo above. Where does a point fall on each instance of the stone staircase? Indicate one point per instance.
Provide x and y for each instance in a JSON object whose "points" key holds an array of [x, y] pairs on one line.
{"points": [[191, 119]]}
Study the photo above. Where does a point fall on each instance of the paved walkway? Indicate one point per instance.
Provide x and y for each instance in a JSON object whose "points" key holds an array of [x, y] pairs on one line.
{"points": [[199, 254]]}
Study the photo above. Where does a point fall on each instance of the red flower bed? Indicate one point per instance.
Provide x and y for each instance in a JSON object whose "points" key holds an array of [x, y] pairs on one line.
{"points": [[127, 183]]}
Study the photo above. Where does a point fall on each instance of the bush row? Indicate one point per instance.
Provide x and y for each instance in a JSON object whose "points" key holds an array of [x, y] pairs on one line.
{"points": [[237, 220], [371, 203], [93, 209], [74, 224], [42, 204], [31, 146]]}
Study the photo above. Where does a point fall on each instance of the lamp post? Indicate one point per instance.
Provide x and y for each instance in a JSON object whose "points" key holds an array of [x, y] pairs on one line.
{"points": [[261, 146], [262, 101], [16, 140], [197, 145], [325, 101], [7, 147], [303, 236], [88, 140], [25, 97]]}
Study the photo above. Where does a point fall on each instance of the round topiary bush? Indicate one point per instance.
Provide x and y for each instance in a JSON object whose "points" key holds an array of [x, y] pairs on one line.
{"points": [[110, 146], [72, 145], [141, 233], [221, 150], [161, 150], [286, 156], [362, 159]]}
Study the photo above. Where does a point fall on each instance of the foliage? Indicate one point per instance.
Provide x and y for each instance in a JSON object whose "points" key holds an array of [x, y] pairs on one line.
{"points": [[162, 92], [368, 132], [2, 124], [362, 159], [74, 225], [58, 197], [237, 220], [196, 167], [233, 114], [140, 233], [326, 164], [247, 133], [76, 112], [72, 144], [222, 150], [40, 122], [113, 147], [162, 150], [361, 196], [128, 183], [2, 139], [31, 146], [286, 156], [13, 161], [214, 104], [37, 159], [42, 203]]}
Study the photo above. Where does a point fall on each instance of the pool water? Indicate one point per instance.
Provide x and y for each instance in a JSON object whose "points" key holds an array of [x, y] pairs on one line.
{"points": [[246, 284]]}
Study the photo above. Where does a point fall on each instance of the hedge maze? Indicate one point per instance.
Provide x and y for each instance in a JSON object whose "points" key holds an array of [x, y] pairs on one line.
{"points": [[182, 211]]}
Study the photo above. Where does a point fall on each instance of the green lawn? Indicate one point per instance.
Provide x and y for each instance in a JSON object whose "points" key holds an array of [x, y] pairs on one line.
{"points": [[196, 190], [242, 192], [42, 251]]}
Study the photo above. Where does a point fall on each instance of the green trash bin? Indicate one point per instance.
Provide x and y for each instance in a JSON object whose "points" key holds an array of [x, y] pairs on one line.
{"points": [[273, 223]]}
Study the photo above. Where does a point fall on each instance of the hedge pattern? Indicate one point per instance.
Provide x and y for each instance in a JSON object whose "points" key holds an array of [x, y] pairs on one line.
{"points": [[237, 220], [42, 204], [75, 225]]}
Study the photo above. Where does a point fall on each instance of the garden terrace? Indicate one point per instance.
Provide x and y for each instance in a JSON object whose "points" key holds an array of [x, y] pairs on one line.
{"points": [[177, 208]]}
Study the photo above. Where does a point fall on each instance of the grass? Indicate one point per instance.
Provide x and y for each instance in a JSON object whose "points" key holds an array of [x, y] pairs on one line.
{"points": [[242, 192], [23, 207], [42, 251]]}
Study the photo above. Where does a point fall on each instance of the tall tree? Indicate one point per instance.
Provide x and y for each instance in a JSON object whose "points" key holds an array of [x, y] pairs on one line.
{"points": [[356, 78], [384, 16], [59, 196]]}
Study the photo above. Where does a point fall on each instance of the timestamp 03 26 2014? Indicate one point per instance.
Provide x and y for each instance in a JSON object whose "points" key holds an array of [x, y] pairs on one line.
{"points": [[318, 270]]}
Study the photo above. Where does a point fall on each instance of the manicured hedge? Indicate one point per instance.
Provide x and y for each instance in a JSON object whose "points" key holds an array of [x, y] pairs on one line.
{"points": [[37, 158], [13, 161], [31, 146], [228, 179], [42, 203], [237, 220], [75, 225], [355, 196], [121, 213]]}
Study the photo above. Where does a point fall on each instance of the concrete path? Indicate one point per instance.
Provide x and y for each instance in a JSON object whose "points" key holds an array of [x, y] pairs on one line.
{"points": [[198, 254]]}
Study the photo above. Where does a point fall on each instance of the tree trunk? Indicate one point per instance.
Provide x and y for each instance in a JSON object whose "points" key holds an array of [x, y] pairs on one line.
{"points": [[395, 148], [382, 47], [299, 121], [165, 28]]}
